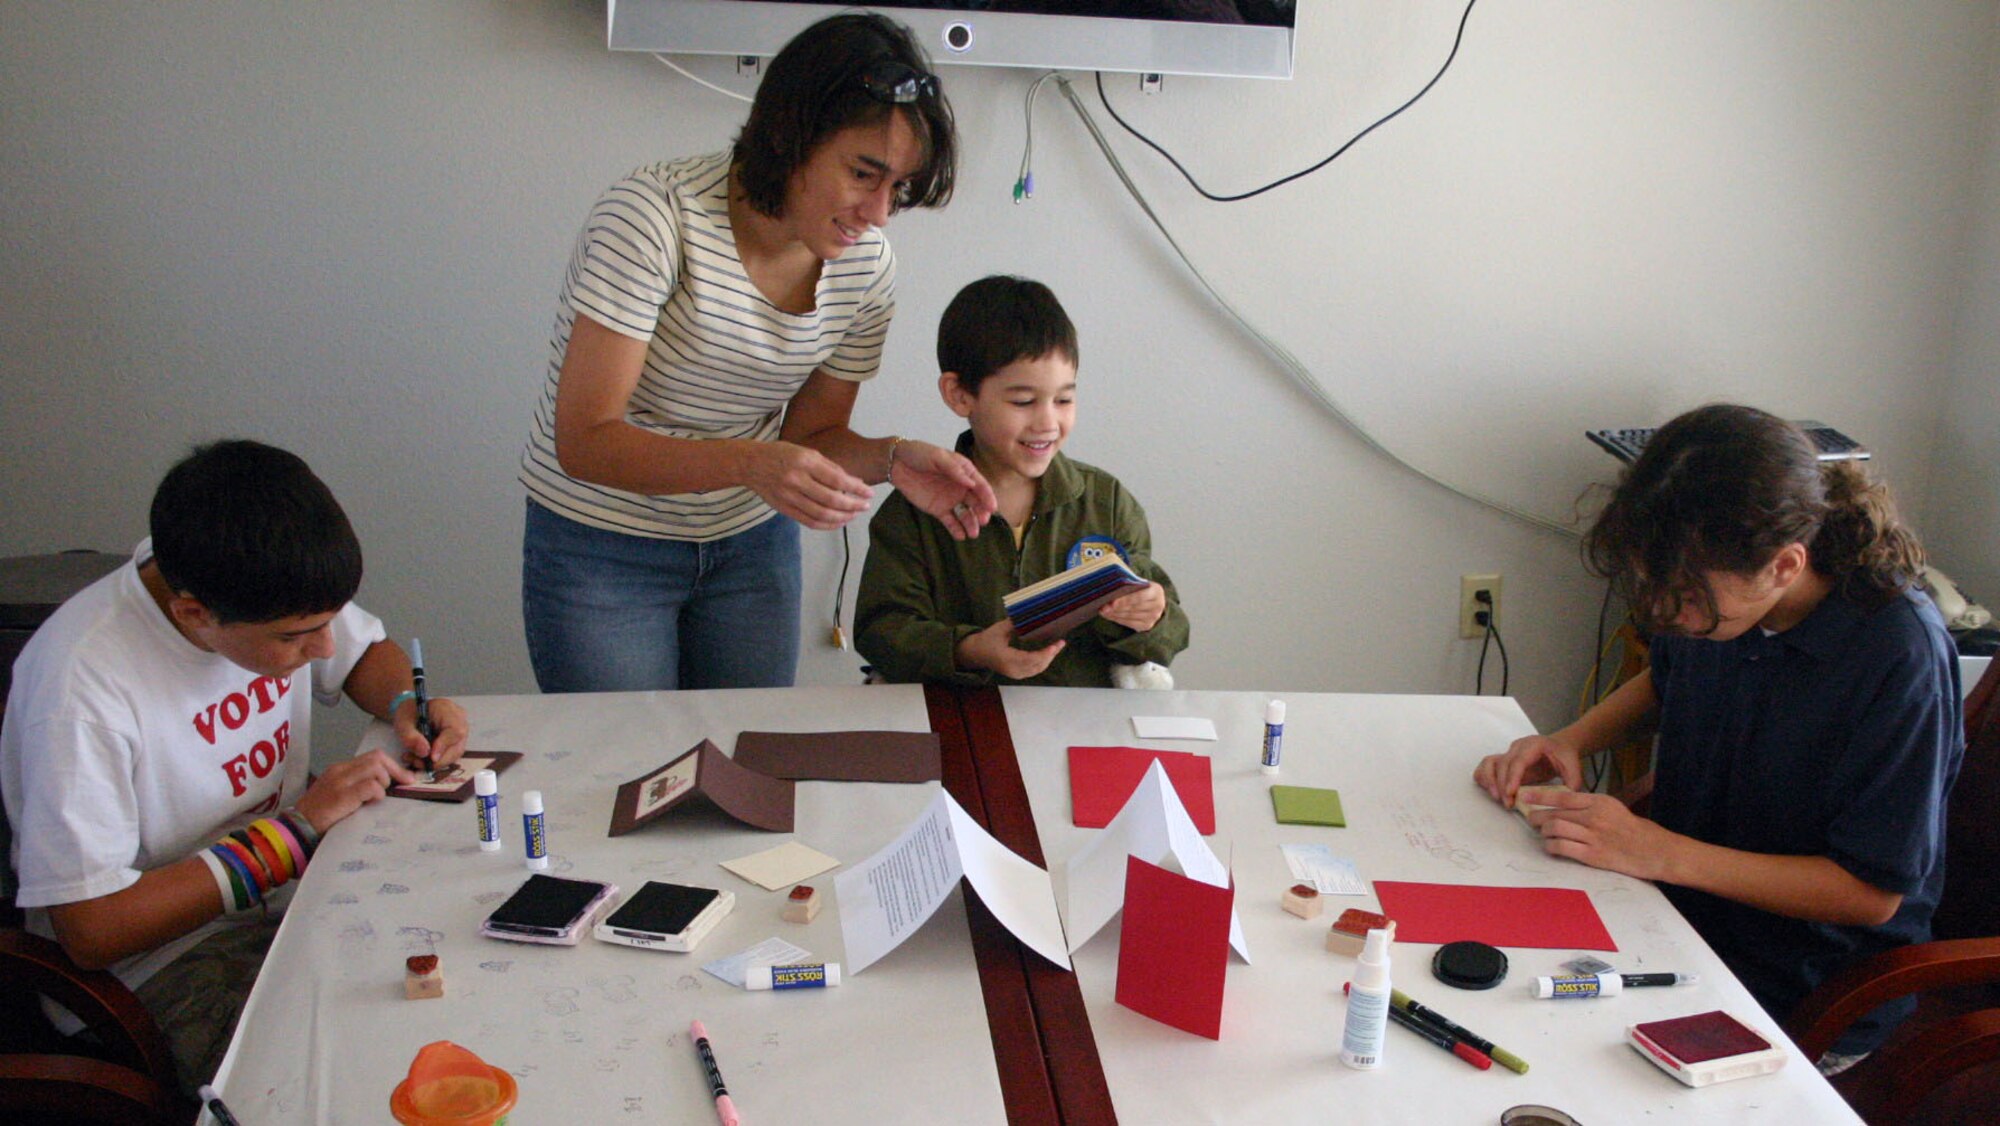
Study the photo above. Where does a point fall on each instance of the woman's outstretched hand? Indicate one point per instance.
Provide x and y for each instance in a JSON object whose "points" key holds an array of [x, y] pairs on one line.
{"points": [[945, 484]]}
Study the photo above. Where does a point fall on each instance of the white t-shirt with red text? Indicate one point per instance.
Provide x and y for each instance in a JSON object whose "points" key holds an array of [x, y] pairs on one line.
{"points": [[126, 748]]}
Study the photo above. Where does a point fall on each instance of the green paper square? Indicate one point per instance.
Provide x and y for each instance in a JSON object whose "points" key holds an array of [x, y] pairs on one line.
{"points": [[1307, 805]]}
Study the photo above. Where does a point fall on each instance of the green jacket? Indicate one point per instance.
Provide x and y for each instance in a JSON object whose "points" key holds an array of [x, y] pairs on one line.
{"points": [[922, 591]]}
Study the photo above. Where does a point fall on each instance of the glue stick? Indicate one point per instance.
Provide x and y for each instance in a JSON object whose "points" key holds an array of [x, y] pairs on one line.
{"points": [[537, 834], [802, 975], [1367, 1005], [1579, 985], [1274, 735], [486, 797]]}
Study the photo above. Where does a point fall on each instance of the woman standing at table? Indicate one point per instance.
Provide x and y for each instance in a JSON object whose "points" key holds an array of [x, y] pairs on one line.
{"points": [[717, 319], [1808, 708]]}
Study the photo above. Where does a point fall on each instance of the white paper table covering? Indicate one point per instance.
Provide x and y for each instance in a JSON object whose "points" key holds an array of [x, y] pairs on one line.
{"points": [[1403, 766], [598, 1032]]}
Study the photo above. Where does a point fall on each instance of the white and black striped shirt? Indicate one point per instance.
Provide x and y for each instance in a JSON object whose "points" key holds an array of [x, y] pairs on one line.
{"points": [[657, 261]]}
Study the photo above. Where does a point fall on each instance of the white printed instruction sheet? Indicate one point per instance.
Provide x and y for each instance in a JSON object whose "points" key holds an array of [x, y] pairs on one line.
{"points": [[884, 899]]}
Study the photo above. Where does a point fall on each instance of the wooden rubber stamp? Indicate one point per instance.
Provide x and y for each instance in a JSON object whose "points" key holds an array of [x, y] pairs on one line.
{"points": [[1350, 931], [422, 977], [1303, 900], [802, 905]]}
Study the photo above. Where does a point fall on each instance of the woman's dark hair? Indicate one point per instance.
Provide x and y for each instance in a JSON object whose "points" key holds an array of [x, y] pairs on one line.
{"points": [[814, 89], [252, 535], [997, 320], [1724, 488]]}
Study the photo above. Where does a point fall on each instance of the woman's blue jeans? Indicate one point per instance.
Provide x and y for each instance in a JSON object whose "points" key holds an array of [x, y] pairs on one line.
{"points": [[608, 612]]}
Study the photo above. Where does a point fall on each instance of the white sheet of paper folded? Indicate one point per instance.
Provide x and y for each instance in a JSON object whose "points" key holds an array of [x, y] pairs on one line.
{"points": [[885, 898], [1152, 826]]}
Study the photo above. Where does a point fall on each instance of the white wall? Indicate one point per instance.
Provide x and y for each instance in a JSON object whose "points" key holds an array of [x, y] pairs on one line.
{"points": [[1964, 511], [339, 227]]}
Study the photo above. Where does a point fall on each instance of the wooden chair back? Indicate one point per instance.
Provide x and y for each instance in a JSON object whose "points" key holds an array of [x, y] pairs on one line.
{"points": [[1970, 907]]}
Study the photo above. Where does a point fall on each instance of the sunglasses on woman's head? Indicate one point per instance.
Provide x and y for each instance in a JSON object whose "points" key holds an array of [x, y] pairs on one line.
{"points": [[887, 80]]}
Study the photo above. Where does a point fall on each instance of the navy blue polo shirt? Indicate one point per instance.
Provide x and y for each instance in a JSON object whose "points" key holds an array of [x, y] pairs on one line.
{"points": [[1839, 737]]}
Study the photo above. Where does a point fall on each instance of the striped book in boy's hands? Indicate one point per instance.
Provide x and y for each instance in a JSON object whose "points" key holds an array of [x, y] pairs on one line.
{"points": [[1048, 609]]}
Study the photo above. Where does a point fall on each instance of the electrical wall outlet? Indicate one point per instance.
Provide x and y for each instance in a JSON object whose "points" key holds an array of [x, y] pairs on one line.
{"points": [[1469, 605]]}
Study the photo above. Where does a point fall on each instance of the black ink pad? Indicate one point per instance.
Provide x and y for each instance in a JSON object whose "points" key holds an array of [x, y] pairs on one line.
{"points": [[1469, 965]]}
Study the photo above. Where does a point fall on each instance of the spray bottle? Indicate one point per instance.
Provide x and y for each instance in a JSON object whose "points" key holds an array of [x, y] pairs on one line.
{"points": [[1368, 1005]]}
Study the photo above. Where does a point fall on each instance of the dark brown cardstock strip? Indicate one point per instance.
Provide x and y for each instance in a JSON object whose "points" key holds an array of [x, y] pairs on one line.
{"points": [[757, 800], [460, 775], [842, 756]]}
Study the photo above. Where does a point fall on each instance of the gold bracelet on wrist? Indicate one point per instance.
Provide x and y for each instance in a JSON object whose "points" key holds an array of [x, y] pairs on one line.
{"points": [[890, 471]]}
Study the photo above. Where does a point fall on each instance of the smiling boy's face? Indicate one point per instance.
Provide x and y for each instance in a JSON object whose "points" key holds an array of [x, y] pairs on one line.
{"points": [[1020, 416]]}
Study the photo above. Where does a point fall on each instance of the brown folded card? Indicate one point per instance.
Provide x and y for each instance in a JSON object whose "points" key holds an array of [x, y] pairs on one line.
{"points": [[454, 782], [757, 800], [842, 756]]}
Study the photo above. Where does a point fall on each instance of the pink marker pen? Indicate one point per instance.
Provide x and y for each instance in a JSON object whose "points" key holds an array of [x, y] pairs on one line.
{"points": [[724, 1109]]}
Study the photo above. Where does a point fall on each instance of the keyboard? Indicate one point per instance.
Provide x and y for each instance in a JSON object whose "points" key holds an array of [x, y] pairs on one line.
{"points": [[1625, 443]]}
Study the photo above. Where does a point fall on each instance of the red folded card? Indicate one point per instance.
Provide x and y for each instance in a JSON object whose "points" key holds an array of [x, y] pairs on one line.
{"points": [[1101, 780], [1549, 918], [1173, 948]]}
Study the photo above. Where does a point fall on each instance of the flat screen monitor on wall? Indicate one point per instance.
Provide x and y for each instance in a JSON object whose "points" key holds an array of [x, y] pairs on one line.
{"points": [[1223, 38]]}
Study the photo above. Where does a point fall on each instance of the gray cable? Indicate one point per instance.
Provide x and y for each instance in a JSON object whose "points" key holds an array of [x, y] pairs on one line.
{"points": [[1290, 363]]}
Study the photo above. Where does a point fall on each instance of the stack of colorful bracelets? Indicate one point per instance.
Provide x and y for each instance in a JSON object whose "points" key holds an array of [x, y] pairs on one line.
{"points": [[255, 860]]}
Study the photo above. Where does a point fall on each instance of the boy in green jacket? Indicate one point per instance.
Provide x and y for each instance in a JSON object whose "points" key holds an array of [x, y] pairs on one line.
{"points": [[930, 606]]}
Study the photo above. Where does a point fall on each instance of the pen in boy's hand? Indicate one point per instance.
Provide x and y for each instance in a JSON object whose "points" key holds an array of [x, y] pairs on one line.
{"points": [[424, 726]]}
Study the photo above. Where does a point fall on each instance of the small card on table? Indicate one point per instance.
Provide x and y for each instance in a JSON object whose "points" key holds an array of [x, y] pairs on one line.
{"points": [[757, 800], [1307, 805], [782, 866], [454, 782]]}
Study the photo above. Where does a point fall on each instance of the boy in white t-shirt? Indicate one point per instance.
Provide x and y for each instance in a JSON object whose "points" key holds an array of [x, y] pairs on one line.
{"points": [[154, 758]]}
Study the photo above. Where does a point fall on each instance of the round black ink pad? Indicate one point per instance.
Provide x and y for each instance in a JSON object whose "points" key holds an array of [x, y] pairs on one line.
{"points": [[1469, 965]]}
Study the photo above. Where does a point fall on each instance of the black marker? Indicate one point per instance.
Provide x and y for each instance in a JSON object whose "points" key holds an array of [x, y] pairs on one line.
{"points": [[1635, 980], [1503, 1057], [1441, 1038], [725, 1107], [217, 1111], [424, 727]]}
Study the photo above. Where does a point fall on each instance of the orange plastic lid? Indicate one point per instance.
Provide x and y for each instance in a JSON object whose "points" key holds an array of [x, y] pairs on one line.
{"points": [[450, 1086]]}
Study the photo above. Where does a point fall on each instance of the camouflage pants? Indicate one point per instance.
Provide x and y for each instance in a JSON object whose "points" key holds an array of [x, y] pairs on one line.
{"points": [[196, 998]]}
